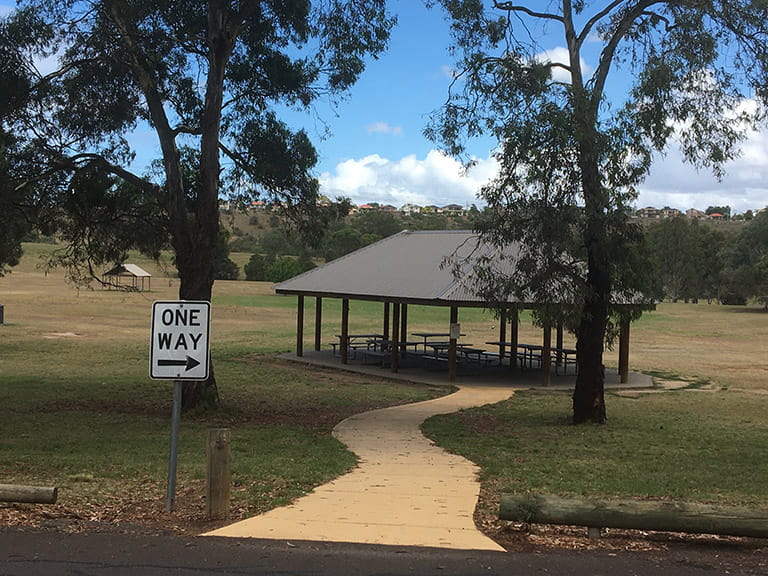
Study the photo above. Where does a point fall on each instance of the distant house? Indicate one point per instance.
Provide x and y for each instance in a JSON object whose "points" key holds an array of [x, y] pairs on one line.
{"points": [[695, 214], [127, 277], [388, 208], [453, 209], [409, 209], [649, 212], [717, 216], [670, 212], [366, 207]]}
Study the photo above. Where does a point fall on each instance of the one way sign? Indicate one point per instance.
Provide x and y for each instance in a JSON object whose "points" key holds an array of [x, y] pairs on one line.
{"points": [[180, 347]]}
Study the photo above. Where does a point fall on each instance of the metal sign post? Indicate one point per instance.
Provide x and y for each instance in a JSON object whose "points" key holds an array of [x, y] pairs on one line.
{"points": [[174, 449], [179, 351]]}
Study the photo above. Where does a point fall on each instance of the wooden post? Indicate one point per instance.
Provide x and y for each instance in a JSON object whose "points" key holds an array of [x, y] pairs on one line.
{"points": [[218, 476], [28, 494], [452, 347], [318, 322], [385, 332], [403, 327], [559, 342], [394, 365], [662, 516], [624, 352], [546, 356], [514, 336], [344, 344], [502, 333], [300, 327]]}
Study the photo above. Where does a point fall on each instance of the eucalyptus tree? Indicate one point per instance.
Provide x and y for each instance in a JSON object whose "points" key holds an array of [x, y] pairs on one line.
{"points": [[746, 274], [577, 134], [210, 80], [15, 222]]}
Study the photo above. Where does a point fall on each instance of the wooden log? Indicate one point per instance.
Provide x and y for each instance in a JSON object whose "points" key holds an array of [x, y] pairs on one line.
{"points": [[28, 494], [218, 476], [635, 515]]}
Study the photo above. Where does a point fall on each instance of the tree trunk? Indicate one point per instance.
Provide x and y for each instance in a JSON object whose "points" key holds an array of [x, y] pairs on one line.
{"points": [[200, 246], [588, 395], [692, 518]]}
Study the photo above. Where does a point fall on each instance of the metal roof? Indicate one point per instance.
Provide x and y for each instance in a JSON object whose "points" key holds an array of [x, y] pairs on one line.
{"points": [[408, 267], [128, 270], [413, 267]]}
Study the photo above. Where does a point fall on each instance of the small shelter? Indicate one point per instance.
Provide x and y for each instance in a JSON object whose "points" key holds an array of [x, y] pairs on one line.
{"points": [[409, 268], [127, 277]]}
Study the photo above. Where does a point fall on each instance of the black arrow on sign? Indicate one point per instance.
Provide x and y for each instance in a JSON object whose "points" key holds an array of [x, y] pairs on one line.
{"points": [[189, 363]]}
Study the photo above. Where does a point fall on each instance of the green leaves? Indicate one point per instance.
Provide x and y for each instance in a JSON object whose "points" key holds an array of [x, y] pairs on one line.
{"points": [[208, 77]]}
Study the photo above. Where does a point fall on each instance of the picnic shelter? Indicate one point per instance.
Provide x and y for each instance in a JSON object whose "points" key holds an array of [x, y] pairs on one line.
{"points": [[409, 268]]}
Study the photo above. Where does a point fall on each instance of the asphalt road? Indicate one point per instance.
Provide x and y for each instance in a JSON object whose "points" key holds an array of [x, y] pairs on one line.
{"points": [[25, 553]]}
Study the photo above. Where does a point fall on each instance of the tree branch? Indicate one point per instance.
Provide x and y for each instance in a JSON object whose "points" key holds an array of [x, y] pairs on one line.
{"points": [[608, 53], [595, 19], [73, 162], [185, 129], [512, 7]]}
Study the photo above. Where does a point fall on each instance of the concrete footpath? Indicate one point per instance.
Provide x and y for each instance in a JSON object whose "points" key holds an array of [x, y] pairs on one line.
{"points": [[405, 490]]}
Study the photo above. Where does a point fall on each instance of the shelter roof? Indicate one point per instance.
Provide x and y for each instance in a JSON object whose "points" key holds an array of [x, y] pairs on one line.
{"points": [[128, 270], [411, 267], [408, 267]]}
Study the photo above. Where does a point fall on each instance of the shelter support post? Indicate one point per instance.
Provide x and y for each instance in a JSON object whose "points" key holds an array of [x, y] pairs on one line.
{"points": [[559, 342], [546, 356], [514, 336], [394, 365], [502, 332], [624, 352], [300, 327], [452, 346], [385, 331], [403, 326], [344, 344], [318, 322]]}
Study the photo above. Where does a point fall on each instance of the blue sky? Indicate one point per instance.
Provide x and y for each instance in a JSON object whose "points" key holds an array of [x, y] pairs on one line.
{"points": [[376, 151]]}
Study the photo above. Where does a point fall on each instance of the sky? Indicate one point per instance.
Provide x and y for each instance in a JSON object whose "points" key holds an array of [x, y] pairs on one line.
{"points": [[376, 151]]}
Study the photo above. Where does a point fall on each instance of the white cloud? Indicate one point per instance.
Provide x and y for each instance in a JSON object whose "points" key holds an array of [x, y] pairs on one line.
{"points": [[448, 72], [672, 182], [560, 55], [436, 179], [440, 180], [383, 128]]}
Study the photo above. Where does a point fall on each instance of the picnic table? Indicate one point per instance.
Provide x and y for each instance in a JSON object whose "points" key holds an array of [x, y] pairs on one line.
{"points": [[438, 347], [531, 353], [478, 355], [427, 335], [358, 341]]}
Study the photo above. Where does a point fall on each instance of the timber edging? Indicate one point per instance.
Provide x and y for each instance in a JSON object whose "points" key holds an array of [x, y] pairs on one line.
{"points": [[28, 494], [635, 515]]}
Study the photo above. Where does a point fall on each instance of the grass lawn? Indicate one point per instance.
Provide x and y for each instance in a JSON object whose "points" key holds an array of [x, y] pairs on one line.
{"points": [[78, 410]]}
